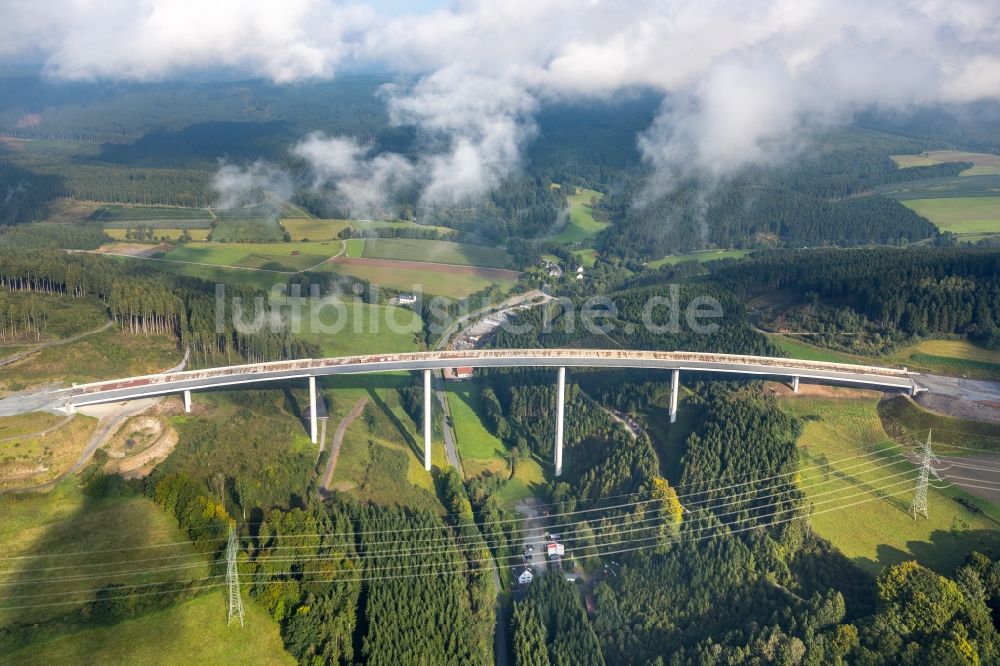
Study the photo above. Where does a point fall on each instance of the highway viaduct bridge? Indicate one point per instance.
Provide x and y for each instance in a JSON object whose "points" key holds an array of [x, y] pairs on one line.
{"points": [[193, 380]]}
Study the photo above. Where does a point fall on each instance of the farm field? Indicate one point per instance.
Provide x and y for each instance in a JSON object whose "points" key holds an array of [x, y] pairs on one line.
{"points": [[104, 355], [355, 327], [234, 229], [433, 251], [581, 224], [451, 281], [983, 163], [114, 215], [938, 188], [703, 255], [327, 229], [277, 257], [192, 632], [837, 433], [70, 210], [169, 233], [105, 531], [964, 216]]}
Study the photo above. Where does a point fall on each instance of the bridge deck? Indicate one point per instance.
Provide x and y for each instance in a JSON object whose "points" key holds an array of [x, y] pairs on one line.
{"points": [[160, 384]]}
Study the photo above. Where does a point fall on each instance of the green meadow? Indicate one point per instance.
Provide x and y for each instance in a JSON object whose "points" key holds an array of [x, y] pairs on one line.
{"points": [[848, 459], [702, 255], [581, 224]]}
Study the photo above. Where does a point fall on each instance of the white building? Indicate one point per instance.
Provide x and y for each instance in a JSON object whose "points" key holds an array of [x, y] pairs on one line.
{"points": [[525, 577]]}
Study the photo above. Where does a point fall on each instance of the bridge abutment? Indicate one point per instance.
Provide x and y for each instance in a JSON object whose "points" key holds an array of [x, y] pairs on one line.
{"points": [[560, 413]]}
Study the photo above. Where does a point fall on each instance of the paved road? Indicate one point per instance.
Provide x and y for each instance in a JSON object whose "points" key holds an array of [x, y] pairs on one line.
{"points": [[338, 438], [966, 398], [447, 430]]}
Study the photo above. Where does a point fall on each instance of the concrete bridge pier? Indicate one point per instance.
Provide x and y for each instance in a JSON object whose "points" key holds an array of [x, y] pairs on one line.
{"points": [[427, 420], [312, 410], [560, 413], [675, 387], [187, 401], [795, 384]]}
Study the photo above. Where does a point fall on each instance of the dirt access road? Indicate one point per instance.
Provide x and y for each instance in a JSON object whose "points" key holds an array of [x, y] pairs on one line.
{"points": [[338, 438]]}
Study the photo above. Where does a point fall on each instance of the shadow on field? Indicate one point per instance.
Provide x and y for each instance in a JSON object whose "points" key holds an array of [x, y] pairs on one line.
{"points": [[945, 552], [72, 547]]}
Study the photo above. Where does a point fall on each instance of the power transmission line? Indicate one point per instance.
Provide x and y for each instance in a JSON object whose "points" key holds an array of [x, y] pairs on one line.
{"points": [[919, 504], [233, 580], [711, 516], [406, 530], [436, 573], [428, 545]]}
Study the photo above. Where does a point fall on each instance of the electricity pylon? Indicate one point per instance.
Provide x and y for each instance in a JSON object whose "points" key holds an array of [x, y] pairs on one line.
{"points": [[233, 580], [920, 493]]}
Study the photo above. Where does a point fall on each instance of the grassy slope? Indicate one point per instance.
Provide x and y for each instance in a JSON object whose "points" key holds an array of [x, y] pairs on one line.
{"points": [[384, 465], [29, 461], [45, 526], [881, 532], [434, 251], [951, 357], [703, 255], [581, 224], [193, 632], [253, 434], [478, 448], [960, 215], [901, 416], [104, 355], [24, 424]]}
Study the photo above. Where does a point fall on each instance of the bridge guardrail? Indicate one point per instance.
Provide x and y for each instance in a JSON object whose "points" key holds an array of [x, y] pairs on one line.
{"points": [[470, 357]]}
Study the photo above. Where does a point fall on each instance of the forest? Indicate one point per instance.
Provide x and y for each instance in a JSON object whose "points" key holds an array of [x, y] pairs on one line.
{"points": [[892, 293]]}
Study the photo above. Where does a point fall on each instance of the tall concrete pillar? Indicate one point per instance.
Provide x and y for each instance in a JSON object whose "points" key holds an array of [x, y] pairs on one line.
{"points": [[675, 387], [427, 420], [313, 417], [560, 413], [70, 407], [795, 384], [187, 401]]}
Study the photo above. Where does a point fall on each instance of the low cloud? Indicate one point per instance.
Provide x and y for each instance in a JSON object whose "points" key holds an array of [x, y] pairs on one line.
{"points": [[746, 82], [261, 186], [367, 185]]}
